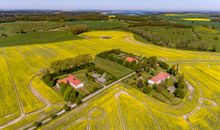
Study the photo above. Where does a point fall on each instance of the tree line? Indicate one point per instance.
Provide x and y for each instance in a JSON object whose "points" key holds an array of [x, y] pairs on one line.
{"points": [[66, 66], [185, 44], [57, 17], [216, 19]]}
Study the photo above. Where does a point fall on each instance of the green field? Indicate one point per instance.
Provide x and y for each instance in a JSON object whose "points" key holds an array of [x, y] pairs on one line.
{"points": [[12, 28], [112, 68], [98, 25], [20, 63], [37, 38], [195, 19]]}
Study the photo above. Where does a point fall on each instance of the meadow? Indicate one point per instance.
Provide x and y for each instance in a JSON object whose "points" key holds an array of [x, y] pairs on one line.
{"points": [[112, 68], [111, 108]]}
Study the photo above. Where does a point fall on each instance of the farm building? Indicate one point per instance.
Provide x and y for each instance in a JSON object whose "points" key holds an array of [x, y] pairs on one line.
{"points": [[160, 77], [72, 80], [130, 59], [99, 78]]}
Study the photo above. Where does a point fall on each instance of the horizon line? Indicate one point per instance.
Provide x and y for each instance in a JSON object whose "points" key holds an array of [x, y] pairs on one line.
{"points": [[150, 10]]}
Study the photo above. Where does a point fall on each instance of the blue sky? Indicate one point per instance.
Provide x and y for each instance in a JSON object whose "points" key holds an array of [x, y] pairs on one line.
{"points": [[112, 4]]}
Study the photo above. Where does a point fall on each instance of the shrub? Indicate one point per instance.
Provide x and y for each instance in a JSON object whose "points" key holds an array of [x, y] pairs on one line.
{"points": [[53, 116], [38, 124], [77, 29], [78, 101], [147, 89], [216, 38], [154, 86]]}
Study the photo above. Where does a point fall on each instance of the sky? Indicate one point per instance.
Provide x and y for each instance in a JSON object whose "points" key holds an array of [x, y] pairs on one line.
{"points": [[112, 4]]}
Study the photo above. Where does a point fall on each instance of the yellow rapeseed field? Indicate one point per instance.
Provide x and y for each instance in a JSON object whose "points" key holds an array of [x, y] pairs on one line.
{"points": [[196, 19], [19, 64]]}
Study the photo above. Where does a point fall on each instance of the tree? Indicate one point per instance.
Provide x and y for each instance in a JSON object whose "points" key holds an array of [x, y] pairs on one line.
{"points": [[181, 83], [77, 29], [67, 93], [140, 83], [172, 70], [49, 79], [73, 97], [22, 31], [179, 93], [152, 61], [63, 87], [78, 101], [163, 65], [87, 74]]}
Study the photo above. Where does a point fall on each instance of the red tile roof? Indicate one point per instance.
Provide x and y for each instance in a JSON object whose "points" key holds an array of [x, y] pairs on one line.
{"points": [[130, 59], [161, 76], [70, 79]]}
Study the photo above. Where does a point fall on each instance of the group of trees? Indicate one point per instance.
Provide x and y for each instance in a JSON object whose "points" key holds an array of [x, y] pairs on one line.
{"points": [[71, 63], [192, 45], [3, 35], [66, 66], [216, 19], [181, 87], [69, 94], [77, 29]]}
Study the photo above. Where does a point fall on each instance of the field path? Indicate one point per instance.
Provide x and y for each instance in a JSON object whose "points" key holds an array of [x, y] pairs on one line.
{"points": [[23, 114], [197, 108], [11, 78], [37, 94], [32, 89], [119, 109]]}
